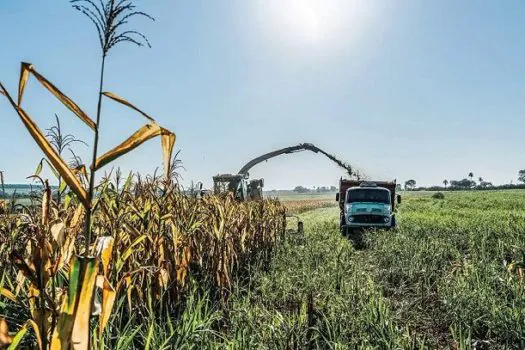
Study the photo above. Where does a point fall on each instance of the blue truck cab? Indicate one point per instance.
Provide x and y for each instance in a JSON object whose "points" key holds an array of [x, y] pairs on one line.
{"points": [[367, 204]]}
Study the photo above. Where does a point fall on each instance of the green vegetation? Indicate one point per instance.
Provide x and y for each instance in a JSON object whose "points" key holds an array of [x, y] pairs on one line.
{"points": [[439, 280]]}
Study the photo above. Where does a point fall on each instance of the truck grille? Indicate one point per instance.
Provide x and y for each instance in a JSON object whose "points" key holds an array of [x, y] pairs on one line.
{"points": [[369, 219]]}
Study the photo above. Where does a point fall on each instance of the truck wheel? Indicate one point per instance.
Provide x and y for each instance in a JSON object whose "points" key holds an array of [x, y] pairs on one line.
{"points": [[342, 227], [393, 221]]}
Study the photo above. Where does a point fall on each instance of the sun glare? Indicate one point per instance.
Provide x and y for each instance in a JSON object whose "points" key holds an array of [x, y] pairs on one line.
{"points": [[310, 22]]}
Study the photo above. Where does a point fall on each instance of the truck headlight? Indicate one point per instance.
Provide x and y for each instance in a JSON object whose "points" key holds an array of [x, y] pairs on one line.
{"points": [[386, 218], [351, 218]]}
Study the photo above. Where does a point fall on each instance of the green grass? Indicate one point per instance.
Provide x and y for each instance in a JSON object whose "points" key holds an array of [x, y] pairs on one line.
{"points": [[436, 282]]}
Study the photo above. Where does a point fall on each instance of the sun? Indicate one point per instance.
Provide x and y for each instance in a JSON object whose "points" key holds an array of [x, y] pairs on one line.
{"points": [[309, 22]]}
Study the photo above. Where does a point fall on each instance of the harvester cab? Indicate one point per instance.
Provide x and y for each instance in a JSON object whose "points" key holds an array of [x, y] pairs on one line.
{"points": [[231, 183]]}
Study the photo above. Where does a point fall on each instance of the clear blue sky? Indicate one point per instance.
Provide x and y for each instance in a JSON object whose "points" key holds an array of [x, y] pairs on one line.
{"points": [[403, 89]]}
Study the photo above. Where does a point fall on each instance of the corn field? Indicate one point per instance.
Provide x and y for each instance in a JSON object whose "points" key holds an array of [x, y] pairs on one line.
{"points": [[151, 241]]}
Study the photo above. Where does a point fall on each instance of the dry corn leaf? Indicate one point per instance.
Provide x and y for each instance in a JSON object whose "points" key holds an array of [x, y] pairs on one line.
{"points": [[126, 103], [108, 300], [61, 338], [57, 232], [5, 338], [8, 294], [72, 106], [57, 162], [80, 336], [142, 135], [104, 251], [76, 217], [168, 141]]}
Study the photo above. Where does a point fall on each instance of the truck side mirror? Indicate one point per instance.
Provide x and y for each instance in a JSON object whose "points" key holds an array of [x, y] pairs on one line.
{"points": [[337, 197], [398, 199]]}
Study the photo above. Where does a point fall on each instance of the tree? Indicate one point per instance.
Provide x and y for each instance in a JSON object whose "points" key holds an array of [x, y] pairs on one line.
{"points": [[471, 175], [480, 179], [410, 184], [464, 184], [445, 182], [301, 189], [521, 176]]}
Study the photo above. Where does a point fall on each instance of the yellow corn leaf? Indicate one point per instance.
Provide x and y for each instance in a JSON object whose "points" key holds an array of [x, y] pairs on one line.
{"points": [[168, 141], [80, 335], [57, 232], [62, 334], [76, 217], [38, 334], [24, 76], [126, 103], [50, 152], [8, 294], [142, 135], [104, 251], [5, 338], [129, 251], [108, 300], [72, 106]]}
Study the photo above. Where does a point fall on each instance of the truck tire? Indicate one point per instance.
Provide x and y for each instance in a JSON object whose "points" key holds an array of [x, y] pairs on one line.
{"points": [[393, 225], [342, 227]]}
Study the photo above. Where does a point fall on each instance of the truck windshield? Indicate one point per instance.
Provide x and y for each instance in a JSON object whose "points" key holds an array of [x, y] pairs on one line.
{"points": [[368, 195]]}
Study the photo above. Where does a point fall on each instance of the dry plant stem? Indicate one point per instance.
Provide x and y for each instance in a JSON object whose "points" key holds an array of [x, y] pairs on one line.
{"points": [[87, 222]]}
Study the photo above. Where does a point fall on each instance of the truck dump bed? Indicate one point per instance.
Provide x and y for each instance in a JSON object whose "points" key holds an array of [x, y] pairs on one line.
{"points": [[345, 184]]}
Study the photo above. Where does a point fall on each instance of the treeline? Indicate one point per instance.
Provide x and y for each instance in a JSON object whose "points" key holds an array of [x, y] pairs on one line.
{"points": [[467, 183], [320, 189]]}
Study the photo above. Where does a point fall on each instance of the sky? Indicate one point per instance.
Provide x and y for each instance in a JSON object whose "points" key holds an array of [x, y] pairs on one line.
{"points": [[424, 90]]}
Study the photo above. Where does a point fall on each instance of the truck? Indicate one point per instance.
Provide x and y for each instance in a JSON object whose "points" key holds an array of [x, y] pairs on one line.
{"points": [[366, 204]]}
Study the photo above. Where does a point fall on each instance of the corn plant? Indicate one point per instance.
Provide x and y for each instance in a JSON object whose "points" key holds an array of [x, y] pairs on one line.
{"points": [[151, 242], [109, 18]]}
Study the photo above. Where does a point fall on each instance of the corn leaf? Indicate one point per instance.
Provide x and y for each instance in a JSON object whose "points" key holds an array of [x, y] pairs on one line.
{"points": [[80, 334], [126, 103], [104, 251], [57, 162], [15, 341], [24, 76], [142, 135], [108, 300], [8, 294], [38, 334], [62, 335], [5, 338], [168, 141], [72, 106], [129, 251]]}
